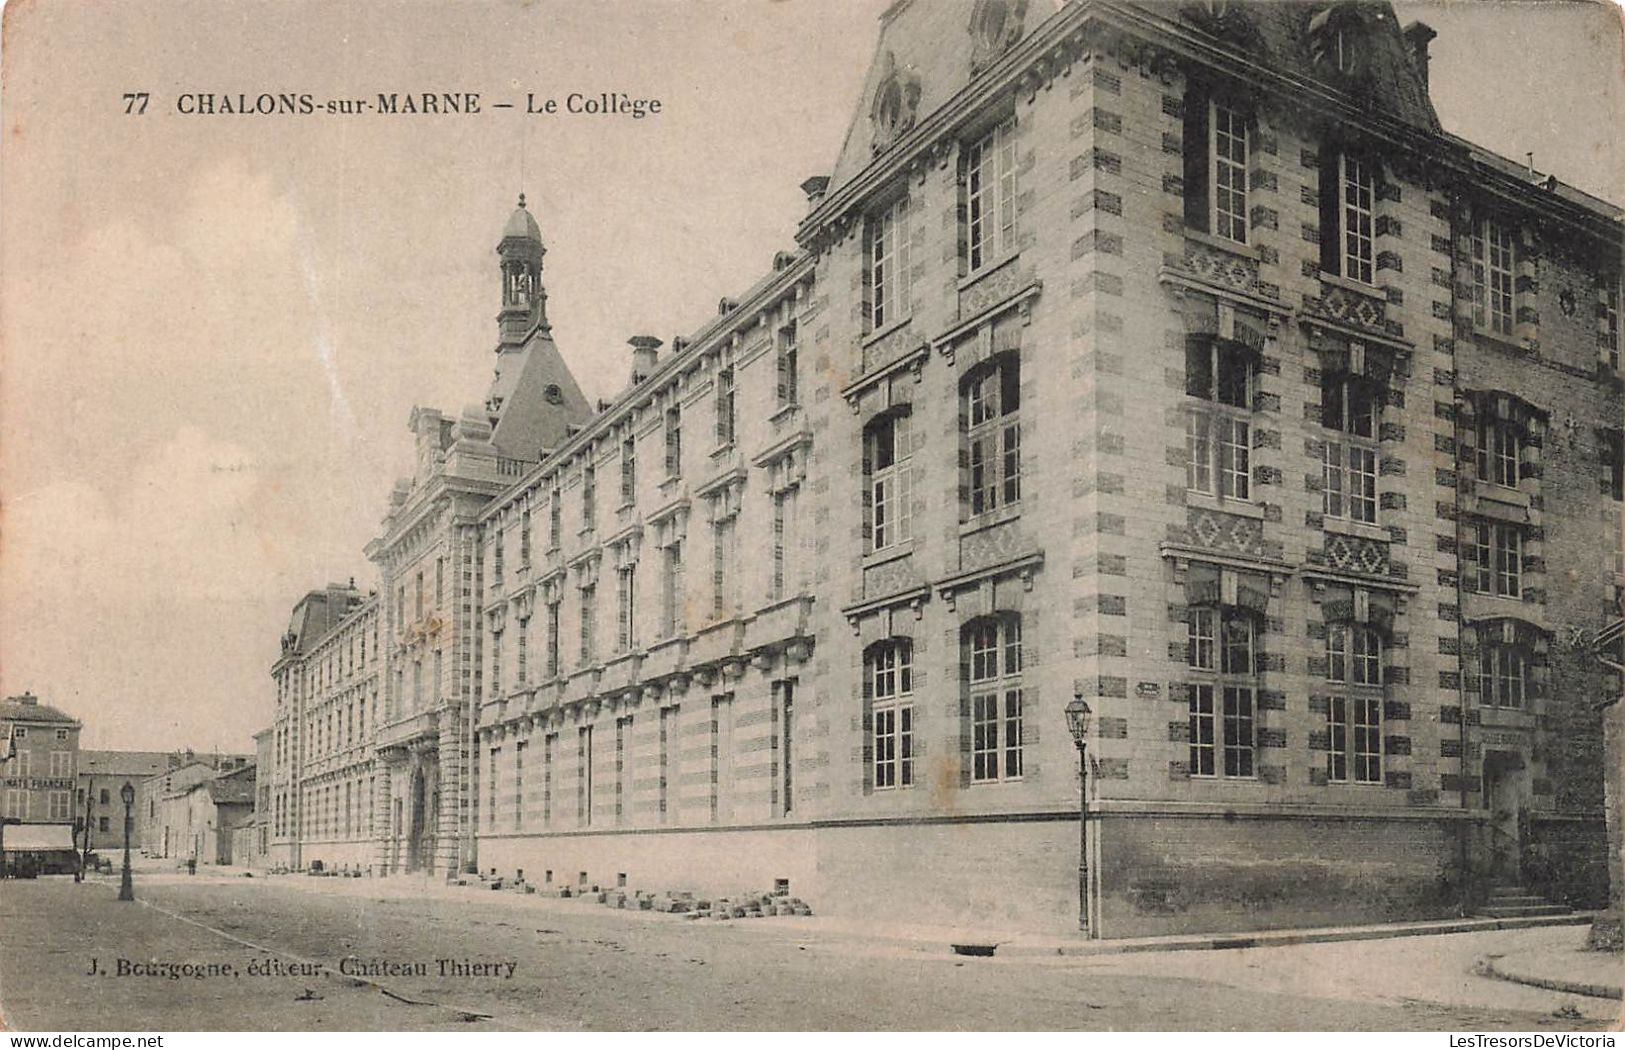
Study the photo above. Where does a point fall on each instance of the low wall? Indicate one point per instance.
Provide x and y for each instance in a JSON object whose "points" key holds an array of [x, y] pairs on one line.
{"points": [[1217, 873]]}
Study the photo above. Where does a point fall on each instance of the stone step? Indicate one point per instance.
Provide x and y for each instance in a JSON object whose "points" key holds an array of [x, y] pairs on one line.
{"points": [[1519, 911], [1515, 900]]}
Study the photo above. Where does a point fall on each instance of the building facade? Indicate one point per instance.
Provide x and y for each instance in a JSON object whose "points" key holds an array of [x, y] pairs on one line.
{"points": [[39, 761], [97, 805], [1169, 357], [165, 822], [320, 744]]}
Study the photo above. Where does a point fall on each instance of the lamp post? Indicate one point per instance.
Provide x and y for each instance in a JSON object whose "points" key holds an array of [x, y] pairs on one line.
{"points": [[1077, 722], [126, 890]]}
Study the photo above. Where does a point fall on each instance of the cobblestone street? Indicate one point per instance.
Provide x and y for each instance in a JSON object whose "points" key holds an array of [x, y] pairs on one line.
{"points": [[529, 963]]}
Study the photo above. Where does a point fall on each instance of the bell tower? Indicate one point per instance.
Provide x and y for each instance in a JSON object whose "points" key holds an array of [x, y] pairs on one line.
{"points": [[524, 300]]}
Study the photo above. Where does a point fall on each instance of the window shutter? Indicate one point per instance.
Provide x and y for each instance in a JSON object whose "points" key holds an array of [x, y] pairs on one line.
{"points": [[1195, 146], [1331, 237]]}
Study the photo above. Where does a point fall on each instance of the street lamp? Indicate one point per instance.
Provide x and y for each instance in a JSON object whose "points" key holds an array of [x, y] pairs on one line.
{"points": [[1077, 722], [126, 891]]}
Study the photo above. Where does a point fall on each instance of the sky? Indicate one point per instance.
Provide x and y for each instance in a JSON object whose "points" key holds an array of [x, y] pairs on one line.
{"points": [[213, 328]]}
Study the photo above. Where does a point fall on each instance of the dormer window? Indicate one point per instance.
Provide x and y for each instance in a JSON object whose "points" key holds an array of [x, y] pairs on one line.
{"points": [[1336, 40]]}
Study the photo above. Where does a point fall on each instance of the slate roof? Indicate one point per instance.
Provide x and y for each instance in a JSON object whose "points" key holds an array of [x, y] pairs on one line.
{"points": [[122, 763], [13, 710]]}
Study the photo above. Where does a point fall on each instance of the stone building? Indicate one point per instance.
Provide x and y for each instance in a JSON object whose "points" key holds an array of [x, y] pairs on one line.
{"points": [[102, 775], [1169, 357], [39, 761], [165, 823], [318, 781]]}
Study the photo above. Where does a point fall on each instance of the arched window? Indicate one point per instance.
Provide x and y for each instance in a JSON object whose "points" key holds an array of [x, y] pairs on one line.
{"points": [[992, 661], [888, 680]]}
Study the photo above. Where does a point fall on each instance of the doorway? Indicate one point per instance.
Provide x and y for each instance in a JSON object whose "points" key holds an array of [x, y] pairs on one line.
{"points": [[1504, 776]]}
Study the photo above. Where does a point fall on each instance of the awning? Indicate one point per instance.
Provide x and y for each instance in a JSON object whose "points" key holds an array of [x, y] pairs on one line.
{"points": [[28, 838]]}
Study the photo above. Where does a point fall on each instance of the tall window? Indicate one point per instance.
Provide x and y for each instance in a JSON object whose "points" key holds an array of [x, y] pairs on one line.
{"points": [[584, 776], [991, 403], [1499, 448], [524, 548], [722, 729], [888, 257], [553, 667], [990, 196], [1223, 647], [1347, 216], [674, 441], [786, 365], [589, 496], [1354, 720], [784, 695], [1494, 261], [784, 505], [623, 767], [555, 518], [889, 676], [668, 731], [1215, 145], [629, 469], [725, 406], [993, 656], [589, 611], [519, 783], [1218, 431], [671, 587], [1502, 674], [491, 787], [626, 606], [1497, 549], [550, 757], [1351, 406], [1613, 463], [1610, 320], [722, 557], [886, 466]]}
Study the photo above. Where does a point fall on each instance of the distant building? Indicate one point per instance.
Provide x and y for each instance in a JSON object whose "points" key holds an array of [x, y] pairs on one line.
{"points": [[202, 818], [163, 820], [39, 753], [320, 775], [102, 774]]}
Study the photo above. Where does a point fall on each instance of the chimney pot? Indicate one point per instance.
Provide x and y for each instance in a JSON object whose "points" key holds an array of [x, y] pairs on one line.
{"points": [[1418, 35], [645, 355], [815, 188]]}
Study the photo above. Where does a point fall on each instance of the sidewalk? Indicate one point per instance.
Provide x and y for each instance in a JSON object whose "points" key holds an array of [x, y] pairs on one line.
{"points": [[911, 936], [1569, 968]]}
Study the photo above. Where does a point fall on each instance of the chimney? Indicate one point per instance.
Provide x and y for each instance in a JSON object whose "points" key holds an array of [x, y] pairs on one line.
{"points": [[28, 698], [814, 188], [1417, 36], [645, 354]]}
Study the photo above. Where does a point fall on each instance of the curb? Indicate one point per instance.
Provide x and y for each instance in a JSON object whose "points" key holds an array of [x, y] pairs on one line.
{"points": [[1286, 938], [1494, 968]]}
